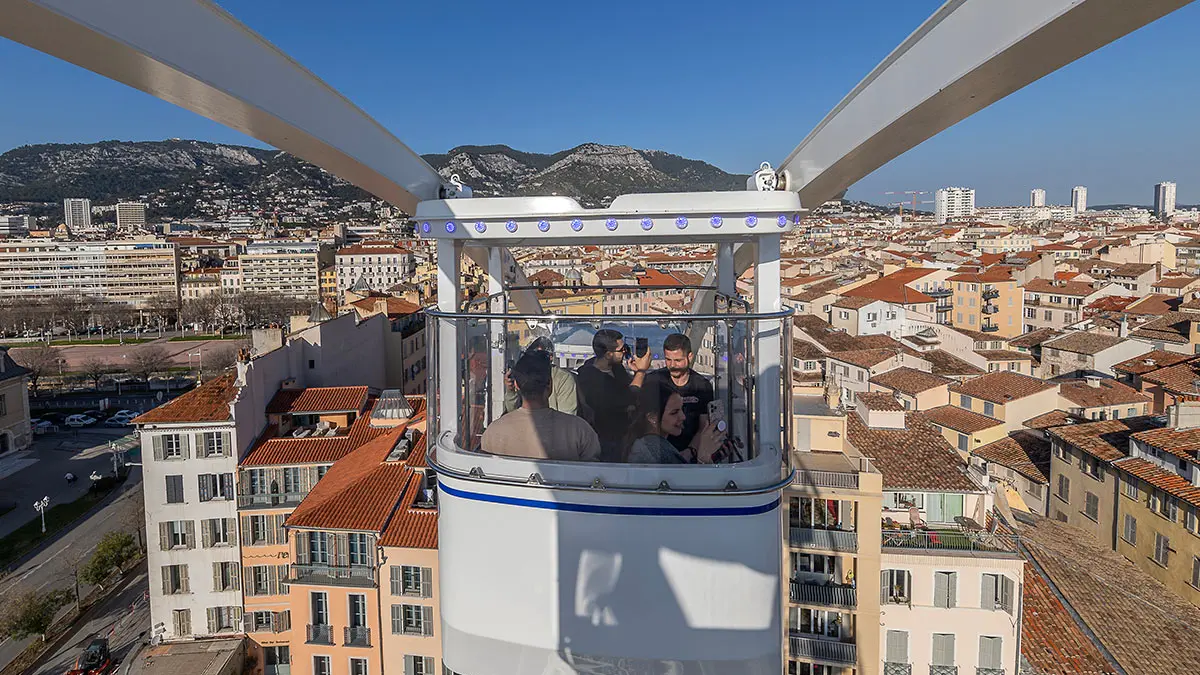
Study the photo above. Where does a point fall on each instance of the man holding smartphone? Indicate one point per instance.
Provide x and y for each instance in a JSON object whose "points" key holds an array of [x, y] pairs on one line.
{"points": [[609, 390], [692, 387]]}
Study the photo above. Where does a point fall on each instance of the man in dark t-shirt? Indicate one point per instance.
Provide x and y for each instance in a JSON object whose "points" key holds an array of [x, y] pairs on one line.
{"points": [[692, 387], [607, 389]]}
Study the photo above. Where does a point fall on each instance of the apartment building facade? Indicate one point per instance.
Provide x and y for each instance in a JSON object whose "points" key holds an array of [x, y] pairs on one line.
{"points": [[374, 265], [128, 271], [291, 268], [1057, 304], [990, 302]]}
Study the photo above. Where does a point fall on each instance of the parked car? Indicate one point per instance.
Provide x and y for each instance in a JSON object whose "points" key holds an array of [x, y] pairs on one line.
{"points": [[77, 421], [54, 417], [116, 421], [126, 413], [42, 426]]}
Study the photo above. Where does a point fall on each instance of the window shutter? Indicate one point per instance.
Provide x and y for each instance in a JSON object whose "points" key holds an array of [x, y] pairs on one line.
{"points": [[897, 646], [397, 579], [1007, 594], [426, 582], [235, 575], [157, 442], [206, 534], [217, 577], [340, 545], [282, 579], [248, 622], [280, 531], [183, 447], [989, 652], [166, 579], [427, 620], [988, 597], [198, 444], [952, 582], [410, 665], [908, 587], [227, 485], [190, 530], [943, 649], [226, 444], [397, 621], [248, 581], [428, 664], [301, 540], [212, 619], [205, 489], [285, 620], [246, 541], [185, 584], [941, 589], [164, 536], [885, 586]]}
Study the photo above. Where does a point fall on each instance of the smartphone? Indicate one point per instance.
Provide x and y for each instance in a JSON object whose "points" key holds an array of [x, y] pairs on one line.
{"points": [[642, 346], [716, 415]]}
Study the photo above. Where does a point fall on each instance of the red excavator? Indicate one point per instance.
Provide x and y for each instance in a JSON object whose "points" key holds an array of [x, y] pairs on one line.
{"points": [[95, 660]]}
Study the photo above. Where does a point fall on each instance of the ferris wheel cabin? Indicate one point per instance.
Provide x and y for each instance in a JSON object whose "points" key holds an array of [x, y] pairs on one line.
{"points": [[609, 566]]}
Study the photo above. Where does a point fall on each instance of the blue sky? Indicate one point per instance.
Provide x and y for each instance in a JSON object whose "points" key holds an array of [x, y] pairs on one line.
{"points": [[731, 83]]}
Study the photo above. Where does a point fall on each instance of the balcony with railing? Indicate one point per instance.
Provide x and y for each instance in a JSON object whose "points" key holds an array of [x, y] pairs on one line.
{"points": [[827, 595], [989, 671], [357, 636], [939, 293], [897, 668], [989, 328], [268, 500], [319, 634], [840, 541], [278, 669], [803, 646], [990, 293], [935, 669], [333, 575], [950, 539], [943, 307], [990, 309]]}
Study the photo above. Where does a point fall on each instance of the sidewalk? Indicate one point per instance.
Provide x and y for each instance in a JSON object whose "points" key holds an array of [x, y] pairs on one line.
{"points": [[29, 475]]}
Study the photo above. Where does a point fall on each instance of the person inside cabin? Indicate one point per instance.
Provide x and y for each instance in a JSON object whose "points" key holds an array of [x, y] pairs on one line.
{"points": [[692, 387], [535, 430], [660, 417], [564, 397], [610, 391]]}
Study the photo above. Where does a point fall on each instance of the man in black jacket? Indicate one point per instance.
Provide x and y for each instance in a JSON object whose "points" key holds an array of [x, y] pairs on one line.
{"points": [[608, 389]]}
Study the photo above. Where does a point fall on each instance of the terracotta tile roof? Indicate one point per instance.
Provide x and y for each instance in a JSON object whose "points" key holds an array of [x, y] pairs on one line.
{"points": [[412, 526], [991, 275], [878, 400], [909, 380], [207, 403], [1109, 392], [271, 450], [976, 335], [1142, 624], [1003, 355], [391, 306], [1154, 304], [960, 419], [1133, 269], [1170, 327], [1082, 342], [1071, 288], [359, 492], [863, 358], [317, 400], [1002, 386], [1025, 453], [832, 340], [948, 365], [1167, 481], [1179, 442], [1051, 641], [916, 457], [806, 351], [1175, 282], [818, 291], [386, 248], [1034, 338], [1150, 361], [846, 302], [546, 276], [892, 289], [1107, 440], [1177, 379], [1054, 418]]}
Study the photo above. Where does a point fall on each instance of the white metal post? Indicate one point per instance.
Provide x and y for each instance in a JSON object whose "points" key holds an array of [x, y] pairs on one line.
{"points": [[448, 395], [768, 387], [496, 337]]}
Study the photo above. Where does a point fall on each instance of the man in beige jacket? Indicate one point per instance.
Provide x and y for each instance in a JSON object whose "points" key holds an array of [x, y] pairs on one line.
{"points": [[535, 430]]}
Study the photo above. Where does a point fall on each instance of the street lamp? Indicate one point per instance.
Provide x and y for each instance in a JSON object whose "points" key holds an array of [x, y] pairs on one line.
{"points": [[40, 506], [199, 353]]}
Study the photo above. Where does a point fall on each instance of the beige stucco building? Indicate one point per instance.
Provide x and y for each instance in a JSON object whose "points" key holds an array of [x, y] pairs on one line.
{"points": [[15, 433]]}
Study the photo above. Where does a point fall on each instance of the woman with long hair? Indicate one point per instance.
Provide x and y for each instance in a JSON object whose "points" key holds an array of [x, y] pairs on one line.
{"points": [[660, 416]]}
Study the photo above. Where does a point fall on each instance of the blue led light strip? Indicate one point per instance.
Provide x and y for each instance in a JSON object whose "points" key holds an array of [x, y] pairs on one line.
{"points": [[613, 510]]}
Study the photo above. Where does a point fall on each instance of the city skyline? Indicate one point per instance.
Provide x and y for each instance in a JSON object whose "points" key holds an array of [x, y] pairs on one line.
{"points": [[1021, 142]]}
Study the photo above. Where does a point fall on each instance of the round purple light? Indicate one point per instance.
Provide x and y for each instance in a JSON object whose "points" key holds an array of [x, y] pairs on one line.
{"points": [[450, 227], [511, 226], [544, 225], [577, 224], [425, 227], [611, 224], [647, 223], [782, 220], [681, 222], [480, 226], [751, 220], [716, 221]]}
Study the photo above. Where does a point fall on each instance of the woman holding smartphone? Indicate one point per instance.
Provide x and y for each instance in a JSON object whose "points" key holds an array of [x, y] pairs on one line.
{"points": [[659, 416]]}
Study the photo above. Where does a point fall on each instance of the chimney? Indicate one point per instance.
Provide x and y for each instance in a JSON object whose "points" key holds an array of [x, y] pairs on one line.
{"points": [[1123, 329], [1185, 415]]}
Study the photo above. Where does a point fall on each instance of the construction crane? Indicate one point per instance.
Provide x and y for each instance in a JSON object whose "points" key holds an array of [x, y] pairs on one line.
{"points": [[913, 201]]}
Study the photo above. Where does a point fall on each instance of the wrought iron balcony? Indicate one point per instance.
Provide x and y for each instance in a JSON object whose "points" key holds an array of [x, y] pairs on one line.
{"points": [[989, 328], [1033, 300], [990, 309], [333, 575], [319, 634], [816, 649], [357, 636], [939, 293], [897, 668], [829, 595], [991, 294], [944, 307], [828, 540], [942, 670], [270, 500], [950, 540], [989, 671]]}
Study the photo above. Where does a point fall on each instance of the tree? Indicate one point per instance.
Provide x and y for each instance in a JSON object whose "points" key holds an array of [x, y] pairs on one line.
{"points": [[201, 311], [114, 550], [95, 368], [31, 613], [135, 517], [148, 360], [41, 361], [222, 358]]}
